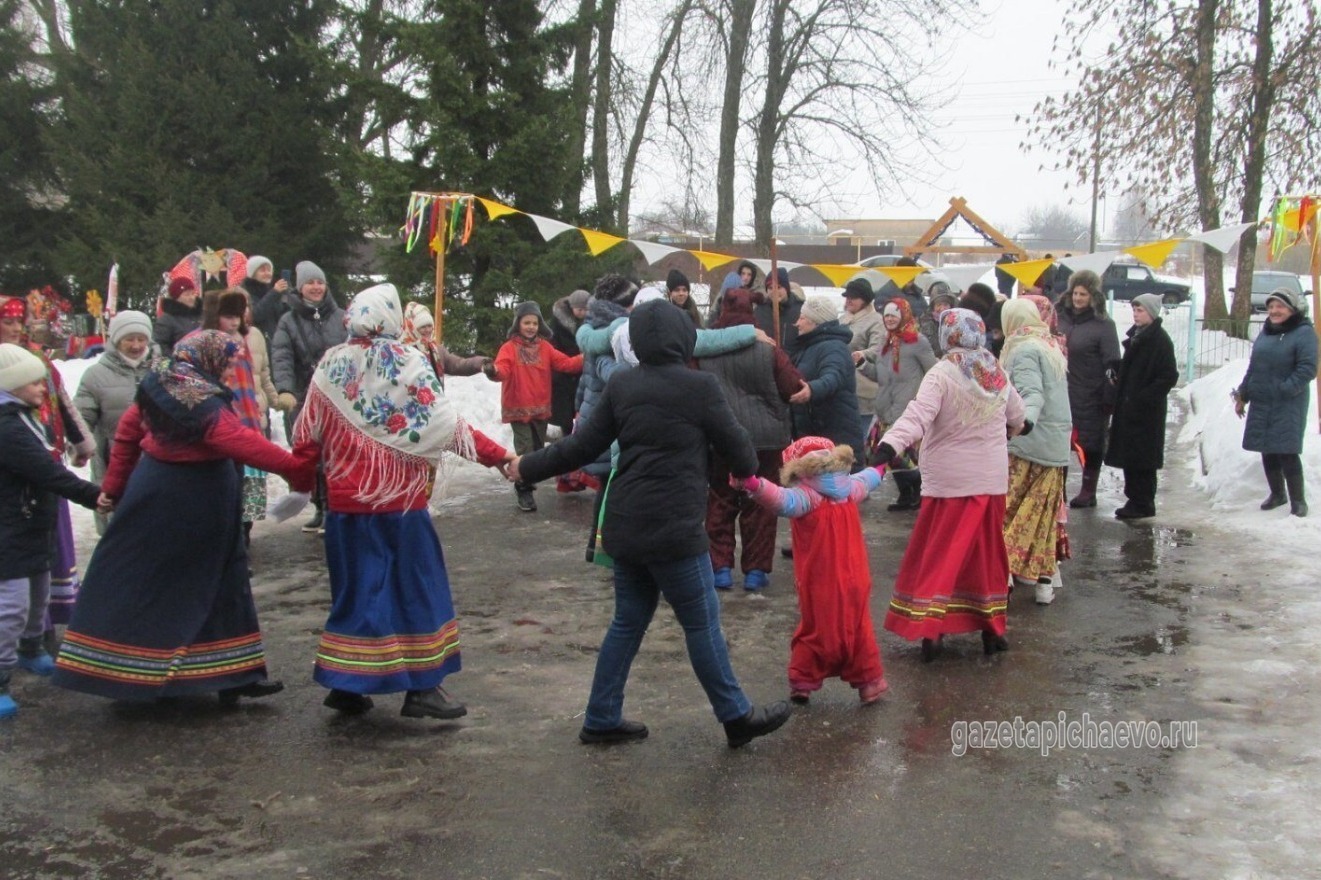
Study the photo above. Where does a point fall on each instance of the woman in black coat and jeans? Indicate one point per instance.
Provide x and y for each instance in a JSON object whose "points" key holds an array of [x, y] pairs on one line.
{"points": [[1137, 432], [665, 417]]}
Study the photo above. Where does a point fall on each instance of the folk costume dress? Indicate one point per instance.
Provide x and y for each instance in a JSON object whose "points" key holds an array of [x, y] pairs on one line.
{"points": [[1033, 358], [376, 410], [955, 572], [835, 635], [166, 606]]}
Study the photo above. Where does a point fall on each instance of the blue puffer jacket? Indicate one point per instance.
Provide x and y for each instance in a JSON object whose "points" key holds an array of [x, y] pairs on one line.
{"points": [[822, 356], [1282, 367]]}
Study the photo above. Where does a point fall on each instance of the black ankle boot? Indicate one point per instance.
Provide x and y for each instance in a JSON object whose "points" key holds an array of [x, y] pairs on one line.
{"points": [[347, 702], [434, 703], [253, 690], [759, 721], [1277, 498], [991, 643]]}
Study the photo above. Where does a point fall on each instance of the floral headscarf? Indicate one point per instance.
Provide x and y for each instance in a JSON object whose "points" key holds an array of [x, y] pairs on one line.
{"points": [[906, 332], [1024, 328], [376, 406], [963, 339], [416, 316], [191, 375]]}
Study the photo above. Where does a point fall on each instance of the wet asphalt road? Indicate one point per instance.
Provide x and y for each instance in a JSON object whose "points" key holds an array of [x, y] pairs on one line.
{"points": [[284, 788]]}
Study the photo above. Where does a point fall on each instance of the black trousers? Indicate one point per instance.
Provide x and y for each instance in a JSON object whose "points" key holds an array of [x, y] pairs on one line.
{"points": [[1140, 488]]}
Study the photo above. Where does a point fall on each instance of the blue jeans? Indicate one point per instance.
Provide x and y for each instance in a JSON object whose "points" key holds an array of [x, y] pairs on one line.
{"points": [[687, 585]]}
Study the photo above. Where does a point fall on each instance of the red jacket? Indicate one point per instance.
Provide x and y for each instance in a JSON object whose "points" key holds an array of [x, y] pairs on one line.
{"points": [[524, 368], [226, 438]]}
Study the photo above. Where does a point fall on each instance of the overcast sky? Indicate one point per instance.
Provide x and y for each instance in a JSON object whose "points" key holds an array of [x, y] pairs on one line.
{"points": [[994, 70]]}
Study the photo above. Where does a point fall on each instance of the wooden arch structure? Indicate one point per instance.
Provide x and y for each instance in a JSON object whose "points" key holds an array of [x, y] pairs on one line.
{"points": [[999, 243]]}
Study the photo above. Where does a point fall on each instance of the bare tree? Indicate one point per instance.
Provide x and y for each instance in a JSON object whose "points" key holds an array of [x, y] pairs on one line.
{"points": [[830, 67], [580, 90], [1050, 227], [1241, 75], [733, 20]]}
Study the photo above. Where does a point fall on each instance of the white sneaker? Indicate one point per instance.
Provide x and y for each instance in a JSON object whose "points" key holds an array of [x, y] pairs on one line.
{"points": [[1045, 593]]}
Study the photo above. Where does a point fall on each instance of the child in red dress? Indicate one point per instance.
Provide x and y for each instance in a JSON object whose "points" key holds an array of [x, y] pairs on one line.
{"points": [[835, 636]]}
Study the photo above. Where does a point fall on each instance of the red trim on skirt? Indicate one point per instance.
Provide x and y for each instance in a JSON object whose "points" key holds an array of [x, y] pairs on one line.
{"points": [[955, 573]]}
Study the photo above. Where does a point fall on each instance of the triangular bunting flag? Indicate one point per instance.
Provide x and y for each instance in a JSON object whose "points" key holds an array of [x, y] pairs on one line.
{"points": [[765, 265], [900, 275], [1026, 272], [653, 251], [1097, 262], [711, 260], [960, 276], [1222, 239], [550, 228], [495, 210], [600, 242], [838, 275], [1156, 253]]}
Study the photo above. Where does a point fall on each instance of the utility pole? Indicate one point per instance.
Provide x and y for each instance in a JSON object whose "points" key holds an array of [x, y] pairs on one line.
{"points": [[1096, 180]]}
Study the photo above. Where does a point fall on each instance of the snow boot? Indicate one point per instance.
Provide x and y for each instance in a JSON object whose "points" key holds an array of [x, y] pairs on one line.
{"points": [[1297, 496], [527, 502], [910, 490], [1086, 496], [1045, 591], [723, 578], [756, 580], [8, 708], [316, 523], [1275, 480], [33, 658]]}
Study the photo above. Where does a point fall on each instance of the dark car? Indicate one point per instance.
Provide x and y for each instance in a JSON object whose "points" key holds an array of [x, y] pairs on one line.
{"points": [[1263, 283], [1123, 281]]}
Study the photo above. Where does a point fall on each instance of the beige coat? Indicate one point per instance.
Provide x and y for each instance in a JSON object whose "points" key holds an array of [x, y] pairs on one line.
{"points": [[868, 333], [261, 373]]}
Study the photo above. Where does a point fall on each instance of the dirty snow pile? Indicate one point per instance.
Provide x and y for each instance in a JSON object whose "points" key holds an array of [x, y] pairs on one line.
{"points": [[1231, 475]]}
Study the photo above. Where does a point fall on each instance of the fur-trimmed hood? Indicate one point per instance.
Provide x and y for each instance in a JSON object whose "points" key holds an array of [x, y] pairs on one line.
{"points": [[562, 313], [815, 464]]}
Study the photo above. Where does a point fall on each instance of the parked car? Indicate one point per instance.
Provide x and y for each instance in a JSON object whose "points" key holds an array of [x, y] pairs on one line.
{"points": [[932, 281], [1123, 281], [1263, 283]]}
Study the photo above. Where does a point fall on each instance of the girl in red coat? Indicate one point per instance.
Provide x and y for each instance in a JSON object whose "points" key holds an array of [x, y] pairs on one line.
{"points": [[524, 365], [835, 636]]}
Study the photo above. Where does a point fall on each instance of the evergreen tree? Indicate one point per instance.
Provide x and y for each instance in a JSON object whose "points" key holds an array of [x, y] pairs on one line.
{"points": [[189, 123], [29, 214]]}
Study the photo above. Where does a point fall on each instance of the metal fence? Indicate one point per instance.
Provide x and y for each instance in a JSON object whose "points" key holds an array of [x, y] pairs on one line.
{"points": [[1206, 345]]}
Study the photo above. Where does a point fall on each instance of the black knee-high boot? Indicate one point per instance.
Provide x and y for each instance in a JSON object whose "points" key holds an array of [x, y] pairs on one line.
{"points": [[1275, 480]]}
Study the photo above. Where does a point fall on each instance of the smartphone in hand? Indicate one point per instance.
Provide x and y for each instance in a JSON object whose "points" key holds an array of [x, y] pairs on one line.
{"points": [[287, 276]]}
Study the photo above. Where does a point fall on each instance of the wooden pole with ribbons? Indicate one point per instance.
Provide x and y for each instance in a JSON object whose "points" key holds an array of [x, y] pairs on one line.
{"points": [[1316, 298], [439, 312], [433, 217]]}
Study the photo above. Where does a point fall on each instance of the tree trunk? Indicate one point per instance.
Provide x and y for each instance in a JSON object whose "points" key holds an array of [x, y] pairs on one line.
{"points": [[605, 30], [1258, 119], [768, 126], [580, 91], [644, 113], [740, 29], [1208, 196]]}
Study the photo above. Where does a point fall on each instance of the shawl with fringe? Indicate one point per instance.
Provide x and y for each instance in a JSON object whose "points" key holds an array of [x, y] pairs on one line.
{"points": [[376, 407], [1024, 328], [963, 339]]}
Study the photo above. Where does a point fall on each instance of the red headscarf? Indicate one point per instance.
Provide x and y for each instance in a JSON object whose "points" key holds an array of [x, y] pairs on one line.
{"points": [[906, 332]]}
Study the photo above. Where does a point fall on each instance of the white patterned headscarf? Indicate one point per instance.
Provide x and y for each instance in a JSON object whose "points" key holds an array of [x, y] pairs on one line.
{"points": [[376, 407]]}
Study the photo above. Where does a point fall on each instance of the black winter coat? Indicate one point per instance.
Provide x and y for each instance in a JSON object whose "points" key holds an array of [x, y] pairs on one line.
{"points": [[30, 480], [1093, 346], [268, 306], [1146, 375], [175, 322], [666, 417], [304, 334], [563, 328], [823, 357]]}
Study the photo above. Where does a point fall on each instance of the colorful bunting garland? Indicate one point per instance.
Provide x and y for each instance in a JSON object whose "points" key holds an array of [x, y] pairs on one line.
{"points": [[437, 216]]}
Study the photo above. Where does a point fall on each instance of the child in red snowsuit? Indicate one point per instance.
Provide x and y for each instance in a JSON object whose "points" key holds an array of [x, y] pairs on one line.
{"points": [[835, 636], [523, 366]]}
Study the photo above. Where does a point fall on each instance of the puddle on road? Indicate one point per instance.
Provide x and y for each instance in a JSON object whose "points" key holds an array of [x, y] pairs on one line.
{"points": [[1164, 640]]}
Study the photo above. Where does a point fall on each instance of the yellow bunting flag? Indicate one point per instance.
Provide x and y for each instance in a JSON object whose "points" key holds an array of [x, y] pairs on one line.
{"points": [[1154, 254], [495, 209], [599, 242], [900, 275], [838, 275], [710, 260], [1027, 272]]}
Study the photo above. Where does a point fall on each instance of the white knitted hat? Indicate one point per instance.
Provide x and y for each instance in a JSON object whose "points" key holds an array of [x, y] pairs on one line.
{"points": [[19, 367]]}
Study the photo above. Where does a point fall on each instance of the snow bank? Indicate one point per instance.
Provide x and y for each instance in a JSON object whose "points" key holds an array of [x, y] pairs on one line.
{"points": [[1230, 475]]}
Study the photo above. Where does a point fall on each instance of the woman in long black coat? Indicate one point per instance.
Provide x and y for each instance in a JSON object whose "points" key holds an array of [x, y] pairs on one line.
{"points": [[1274, 395], [1147, 372], [1093, 345]]}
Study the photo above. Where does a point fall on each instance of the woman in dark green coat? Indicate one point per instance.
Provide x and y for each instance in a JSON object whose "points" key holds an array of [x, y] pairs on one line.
{"points": [[1147, 372], [1274, 395]]}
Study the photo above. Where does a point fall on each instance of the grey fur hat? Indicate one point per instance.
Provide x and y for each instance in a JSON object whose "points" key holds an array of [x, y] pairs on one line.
{"points": [[521, 311]]}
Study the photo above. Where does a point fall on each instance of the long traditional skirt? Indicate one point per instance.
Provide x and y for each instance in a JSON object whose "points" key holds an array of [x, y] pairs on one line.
{"points": [[392, 626], [1032, 511], [166, 606], [64, 573], [955, 573]]}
